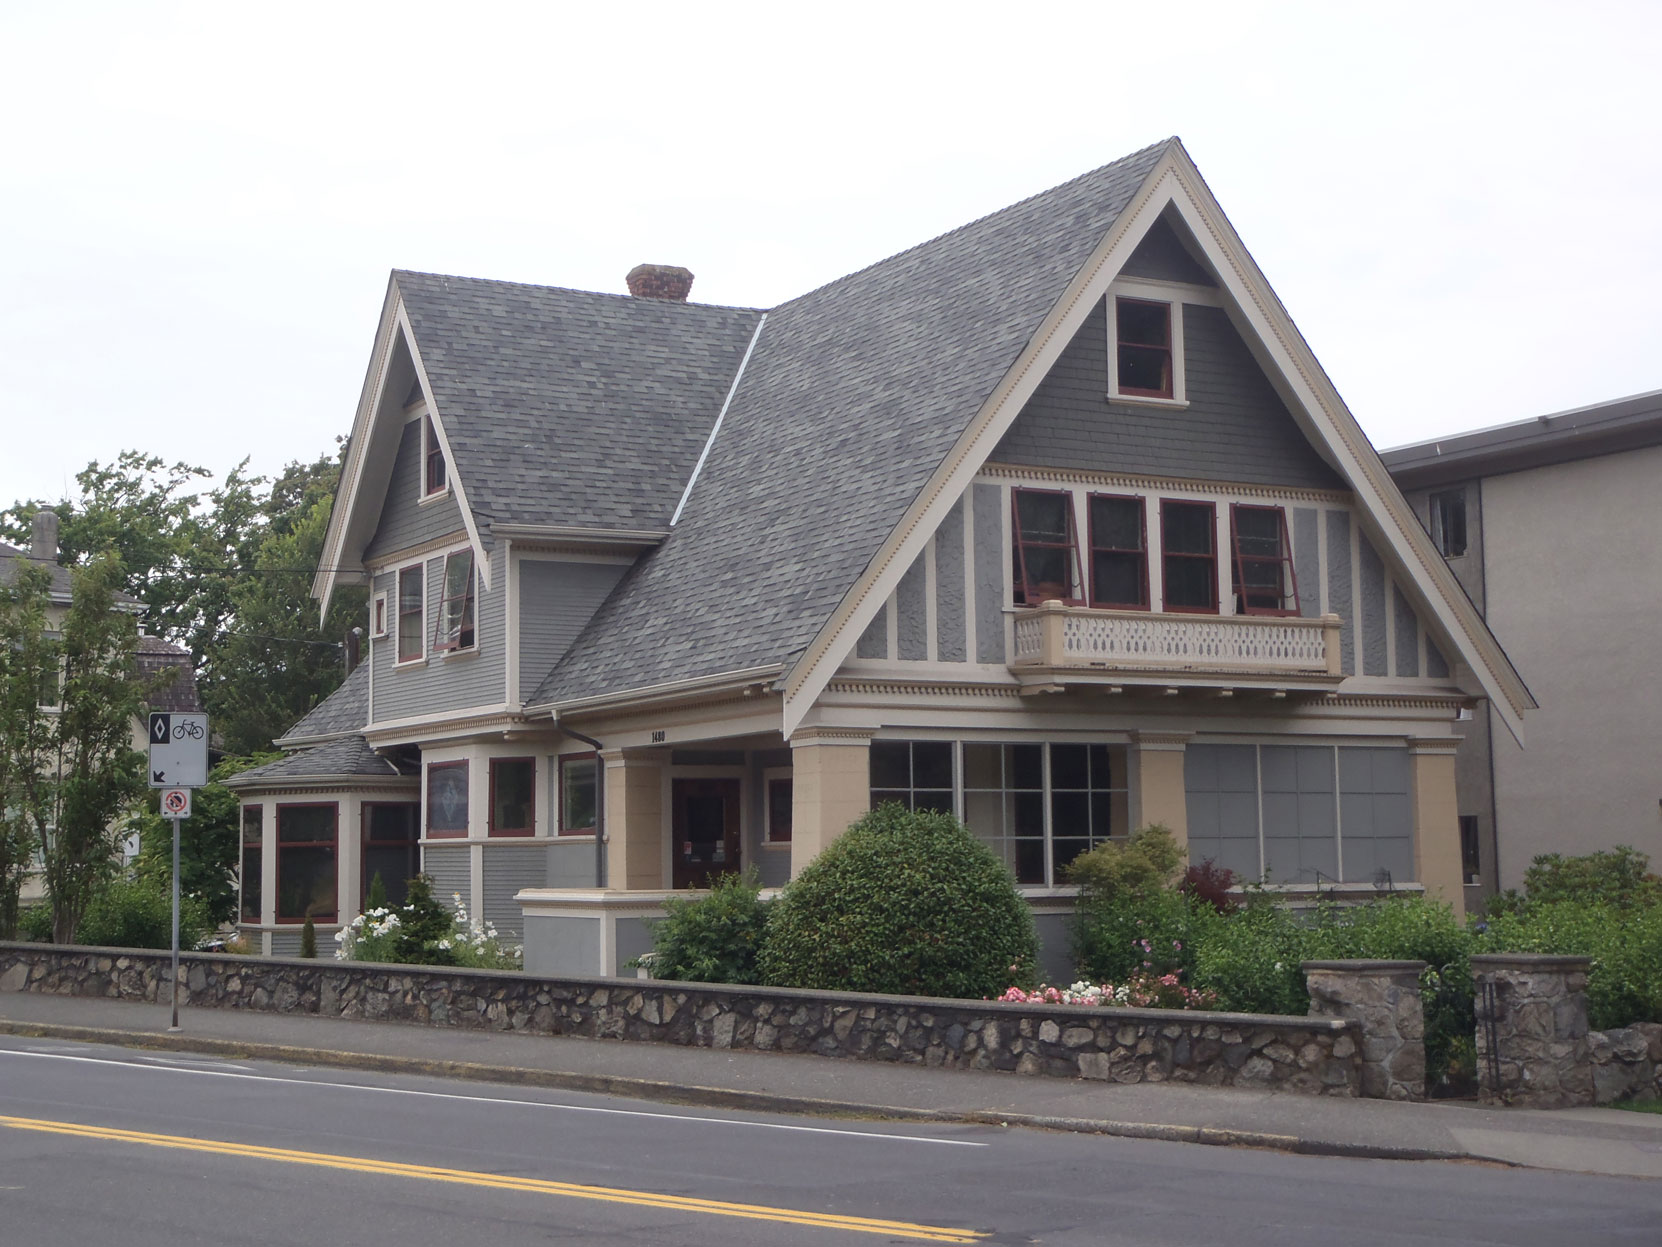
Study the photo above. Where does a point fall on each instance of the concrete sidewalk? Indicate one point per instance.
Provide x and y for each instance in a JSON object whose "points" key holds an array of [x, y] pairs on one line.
{"points": [[1604, 1141]]}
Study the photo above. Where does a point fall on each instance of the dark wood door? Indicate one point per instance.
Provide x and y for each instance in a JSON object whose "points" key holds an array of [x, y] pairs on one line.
{"points": [[706, 826]]}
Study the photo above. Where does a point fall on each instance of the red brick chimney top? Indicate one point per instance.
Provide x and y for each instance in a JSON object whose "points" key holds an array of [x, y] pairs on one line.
{"points": [[660, 281]]}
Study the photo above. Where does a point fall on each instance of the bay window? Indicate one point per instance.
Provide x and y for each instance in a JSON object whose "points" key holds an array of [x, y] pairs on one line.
{"points": [[513, 799], [306, 860], [446, 799], [253, 863], [391, 831]]}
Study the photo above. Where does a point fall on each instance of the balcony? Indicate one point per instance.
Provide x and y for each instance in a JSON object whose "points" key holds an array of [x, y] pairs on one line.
{"points": [[1058, 645]]}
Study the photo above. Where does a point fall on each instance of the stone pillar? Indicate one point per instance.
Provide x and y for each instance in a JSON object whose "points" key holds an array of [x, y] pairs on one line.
{"points": [[1383, 998], [1532, 1046], [1437, 819], [635, 818], [830, 787], [1161, 795]]}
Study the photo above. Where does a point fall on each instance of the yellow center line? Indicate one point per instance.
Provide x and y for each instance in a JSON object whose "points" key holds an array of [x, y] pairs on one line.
{"points": [[539, 1186]]}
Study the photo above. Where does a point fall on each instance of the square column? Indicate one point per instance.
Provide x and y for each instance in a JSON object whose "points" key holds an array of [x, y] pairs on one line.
{"points": [[1437, 819], [1161, 795], [634, 818], [830, 787]]}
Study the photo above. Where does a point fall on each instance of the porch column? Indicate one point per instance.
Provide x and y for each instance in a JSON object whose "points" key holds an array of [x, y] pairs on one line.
{"points": [[1161, 796], [1436, 819], [634, 818], [830, 787]]}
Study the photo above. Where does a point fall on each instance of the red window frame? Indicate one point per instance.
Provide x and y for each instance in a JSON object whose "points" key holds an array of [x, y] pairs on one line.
{"points": [[253, 867], [1122, 345], [1210, 559], [332, 844], [1027, 593], [366, 822], [568, 761], [463, 635], [1141, 552], [412, 607], [530, 826], [1282, 561], [776, 834], [444, 833], [435, 480]]}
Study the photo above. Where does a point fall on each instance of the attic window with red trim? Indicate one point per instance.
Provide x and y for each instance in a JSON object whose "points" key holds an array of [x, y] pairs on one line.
{"points": [[436, 481], [1144, 347]]}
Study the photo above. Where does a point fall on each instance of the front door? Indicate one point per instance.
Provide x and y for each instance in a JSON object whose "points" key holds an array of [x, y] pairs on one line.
{"points": [[706, 830]]}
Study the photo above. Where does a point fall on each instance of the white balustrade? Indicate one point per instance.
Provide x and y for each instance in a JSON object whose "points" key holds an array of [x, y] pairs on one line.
{"points": [[1054, 635]]}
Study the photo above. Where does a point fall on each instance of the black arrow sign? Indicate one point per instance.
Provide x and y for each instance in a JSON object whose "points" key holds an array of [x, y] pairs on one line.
{"points": [[156, 777]]}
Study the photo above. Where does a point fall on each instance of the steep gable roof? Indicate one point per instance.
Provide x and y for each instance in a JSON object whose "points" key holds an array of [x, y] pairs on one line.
{"points": [[854, 395]]}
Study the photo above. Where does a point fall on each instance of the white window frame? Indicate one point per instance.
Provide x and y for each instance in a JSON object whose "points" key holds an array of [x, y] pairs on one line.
{"points": [[398, 590], [378, 617], [1147, 292]]}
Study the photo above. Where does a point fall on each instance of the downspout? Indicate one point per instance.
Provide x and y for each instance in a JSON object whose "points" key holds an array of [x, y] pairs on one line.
{"points": [[599, 804]]}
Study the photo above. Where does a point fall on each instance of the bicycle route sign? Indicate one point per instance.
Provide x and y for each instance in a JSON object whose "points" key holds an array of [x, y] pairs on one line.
{"points": [[178, 750]]}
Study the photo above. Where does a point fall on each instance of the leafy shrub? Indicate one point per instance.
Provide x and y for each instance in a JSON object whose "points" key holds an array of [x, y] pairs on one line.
{"points": [[716, 938], [424, 932], [1139, 866], [1207, 881], [1615, 877], [1129, 920], [136, 911], [1251, 959], [901, 902], [1624, 982], [34, 922]]}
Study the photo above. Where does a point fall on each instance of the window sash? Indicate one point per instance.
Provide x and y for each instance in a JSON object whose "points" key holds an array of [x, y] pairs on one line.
{"points": [[445, 816], [1141, 352], [1264, 583], [579, 788], [513, 796], [1174, 561], [1030, 544], [1135, 557], [454, 629], [411, 604], [779, 797], [434, 477], [307, 863], [253, 863]]}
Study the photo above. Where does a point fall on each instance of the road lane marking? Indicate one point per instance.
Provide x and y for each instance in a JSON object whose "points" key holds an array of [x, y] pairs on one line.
{"points": [[536, 1186], [486, 1099]]}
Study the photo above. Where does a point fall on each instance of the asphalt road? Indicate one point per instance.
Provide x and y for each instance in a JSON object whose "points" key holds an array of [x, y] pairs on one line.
{"points": [[111, 1146]]}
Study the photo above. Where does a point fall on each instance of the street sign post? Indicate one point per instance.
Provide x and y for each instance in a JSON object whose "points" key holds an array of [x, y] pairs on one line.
{"points": [[178, 763]]}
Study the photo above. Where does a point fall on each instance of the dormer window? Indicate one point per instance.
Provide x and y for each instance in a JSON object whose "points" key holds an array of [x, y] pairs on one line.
{"points": [[1264, 581], [433, 457], [1045, 551], [1144, 350], [455, 626]]}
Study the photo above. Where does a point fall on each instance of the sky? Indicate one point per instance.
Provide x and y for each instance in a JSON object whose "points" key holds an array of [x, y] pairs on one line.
{"points": [[200, 203]]}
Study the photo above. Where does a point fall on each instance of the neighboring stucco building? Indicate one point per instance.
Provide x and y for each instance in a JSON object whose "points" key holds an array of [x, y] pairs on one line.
{"points": [[1554, 528], [1052, 521]]}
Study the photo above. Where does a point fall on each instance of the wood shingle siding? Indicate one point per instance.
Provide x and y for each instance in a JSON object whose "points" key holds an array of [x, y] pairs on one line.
{"points": [[406, 520], [556, 601]]}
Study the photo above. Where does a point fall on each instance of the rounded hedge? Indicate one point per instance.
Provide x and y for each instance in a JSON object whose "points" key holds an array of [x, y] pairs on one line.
{"points": [[905, 903]]}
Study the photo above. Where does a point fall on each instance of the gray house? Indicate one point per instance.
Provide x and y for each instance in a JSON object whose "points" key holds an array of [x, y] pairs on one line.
{"points": [[1052, 521], [1551, 526]]}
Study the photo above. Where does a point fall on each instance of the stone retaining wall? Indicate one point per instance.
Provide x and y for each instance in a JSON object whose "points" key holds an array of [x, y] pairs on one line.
{"points": [[1318, 1056], [1383, 998]]}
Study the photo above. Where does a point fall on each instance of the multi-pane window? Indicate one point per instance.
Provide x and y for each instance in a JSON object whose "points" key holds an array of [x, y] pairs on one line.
{"points": [[916, 773], [391, 850], [434, 477], [1144, 347], [253, 863], [411, 603], [1004, 804], [454, 629], [1119, 553], [1045, 552], [513, 801], [779, 810], [1263, 568], [578, 775], [447, 799], [1189, 559], [1448, 522], [1089, 801], [306, 853]]}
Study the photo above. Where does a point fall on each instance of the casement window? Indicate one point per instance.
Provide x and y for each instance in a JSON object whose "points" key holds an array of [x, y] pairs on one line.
{"points": [[434, 478], [1448, 522], [1119, 552], [779, 796], [916, 773], [391, 848], [1263, 578], [1471, 858], [446, 799], [307, 837], [1143, 348], [378, 616], [513, 796], [412, 603], [1045, 553], [1188, 556], [579, 776], [253, 862], [1310, 814], [454, 630]]}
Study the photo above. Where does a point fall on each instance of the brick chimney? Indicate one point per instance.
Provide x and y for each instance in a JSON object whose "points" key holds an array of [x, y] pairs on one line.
{"points": [[43, 539], [660, 281]]}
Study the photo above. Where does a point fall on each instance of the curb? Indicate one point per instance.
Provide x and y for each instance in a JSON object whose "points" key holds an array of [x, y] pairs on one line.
{"points": [[714, 1097]]}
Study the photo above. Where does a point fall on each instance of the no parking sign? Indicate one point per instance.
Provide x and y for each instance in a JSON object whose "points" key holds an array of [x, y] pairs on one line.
{"points": [[176, 803]]}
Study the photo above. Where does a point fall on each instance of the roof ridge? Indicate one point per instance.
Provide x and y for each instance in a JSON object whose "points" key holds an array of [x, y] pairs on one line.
{"points": [[598, 294]]}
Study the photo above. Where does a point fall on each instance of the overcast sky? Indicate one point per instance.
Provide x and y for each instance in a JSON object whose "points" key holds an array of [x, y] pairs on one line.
{"points": [[1460, 204]]}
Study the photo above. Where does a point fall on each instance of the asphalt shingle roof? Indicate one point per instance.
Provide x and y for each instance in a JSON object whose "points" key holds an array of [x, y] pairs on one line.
{"points": [[570, 407], [344, 710], [852, 399], [347, 758]]}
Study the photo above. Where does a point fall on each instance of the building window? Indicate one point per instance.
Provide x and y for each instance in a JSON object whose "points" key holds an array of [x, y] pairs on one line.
{"points": [[1119, 553], [1471, 860], [455, 622], [1143, 348], [780, 795], [1045, 553], [446, 799], [433, 457], [1307, 814], [411, 603], [1004, 804], [1263, 573], [1089, 800], [306, 843], [918, 774], [579, 774], [513, 796], [391, 850], [1448, 522], [378, 616], [253, 862], [1188, 558]]}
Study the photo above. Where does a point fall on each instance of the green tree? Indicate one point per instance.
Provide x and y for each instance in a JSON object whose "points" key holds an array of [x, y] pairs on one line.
{"points": [[210, 840], [28, 676]]}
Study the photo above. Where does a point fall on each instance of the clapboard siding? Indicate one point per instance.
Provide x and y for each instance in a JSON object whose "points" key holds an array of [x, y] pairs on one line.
{"points": [[556, 601], [406, 520], [441, 683]]}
